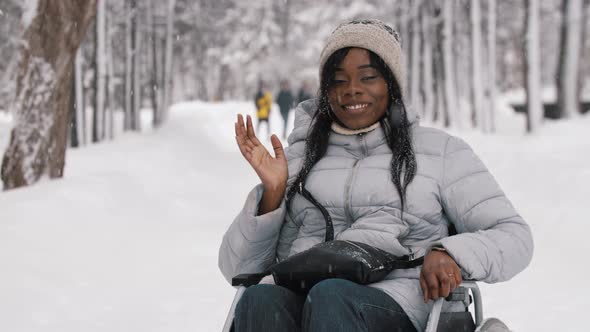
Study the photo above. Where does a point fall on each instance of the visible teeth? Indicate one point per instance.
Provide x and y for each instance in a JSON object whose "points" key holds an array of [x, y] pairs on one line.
{"points": [[356, 107]]}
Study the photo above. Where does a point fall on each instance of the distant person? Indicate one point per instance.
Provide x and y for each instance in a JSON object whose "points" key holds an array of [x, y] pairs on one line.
{"points": [[285, 100], [304, 93], [263, 101]]}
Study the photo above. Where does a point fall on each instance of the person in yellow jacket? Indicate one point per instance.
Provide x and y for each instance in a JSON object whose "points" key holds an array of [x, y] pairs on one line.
{"points": [[263, 101]]}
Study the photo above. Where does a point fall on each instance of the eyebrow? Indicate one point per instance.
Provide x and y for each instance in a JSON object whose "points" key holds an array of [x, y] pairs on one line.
{"points": [[359, 67]]}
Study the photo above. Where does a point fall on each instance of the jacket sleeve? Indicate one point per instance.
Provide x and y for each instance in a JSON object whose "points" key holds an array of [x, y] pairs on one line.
{"points": [[493, 242], [249, 245]]}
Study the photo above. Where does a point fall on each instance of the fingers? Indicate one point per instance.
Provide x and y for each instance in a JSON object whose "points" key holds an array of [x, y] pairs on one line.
{"points": [[277, 147], [240, 140], [250, 131], [424, 286], [445, 283], [458, 277], [244, 143], [439, 284], [240, 131], [433, 285], [453, 284]]}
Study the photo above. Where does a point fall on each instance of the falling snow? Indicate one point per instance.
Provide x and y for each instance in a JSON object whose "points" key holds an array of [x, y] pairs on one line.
{"points": [[134, 228]]}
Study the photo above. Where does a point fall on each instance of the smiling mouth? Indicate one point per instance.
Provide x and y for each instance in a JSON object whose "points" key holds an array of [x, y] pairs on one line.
{"points": [[355, 107]]}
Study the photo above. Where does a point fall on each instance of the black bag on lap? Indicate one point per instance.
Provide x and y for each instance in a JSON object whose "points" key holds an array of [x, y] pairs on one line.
{"points": [[342, 259], [354, 261]]}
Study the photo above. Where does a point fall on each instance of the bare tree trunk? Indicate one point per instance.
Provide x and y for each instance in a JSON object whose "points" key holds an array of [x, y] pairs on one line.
{"points": [[415, 58], [440, 111], [533, 67], [110, 84], [106, 59], [427, 59], [136, 95], [477, 82], [567, 78], [129, 12], [168, 59], [203, 92], [99, 73], [74, 138], [584, 52], [199, 49], [38, 140], [162, 73], [462, 68], [154, 81], [492, 90], [284, 20], [224, 71], [449, 68], [80, 104], [405, 35], [442, 114]]}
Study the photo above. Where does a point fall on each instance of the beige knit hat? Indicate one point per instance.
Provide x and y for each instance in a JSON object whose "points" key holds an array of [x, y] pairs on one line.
{"points": [[370, 34]]}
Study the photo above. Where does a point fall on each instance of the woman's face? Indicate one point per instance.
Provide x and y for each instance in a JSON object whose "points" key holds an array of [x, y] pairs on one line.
{"points": [[358, 93]]}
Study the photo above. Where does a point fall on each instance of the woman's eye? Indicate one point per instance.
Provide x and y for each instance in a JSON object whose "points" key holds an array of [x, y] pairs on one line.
{"points": [[368, 78], [338, 81]]}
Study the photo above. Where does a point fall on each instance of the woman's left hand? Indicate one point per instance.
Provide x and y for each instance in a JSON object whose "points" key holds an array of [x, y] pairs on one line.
{"points": [[440, 275]]}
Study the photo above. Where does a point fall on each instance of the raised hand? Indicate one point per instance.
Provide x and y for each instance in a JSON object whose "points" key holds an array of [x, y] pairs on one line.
{"points": [[272, 171]]}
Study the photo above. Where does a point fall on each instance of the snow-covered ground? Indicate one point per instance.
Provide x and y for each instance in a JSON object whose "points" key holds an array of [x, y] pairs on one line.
{"points": [[128, 239]]}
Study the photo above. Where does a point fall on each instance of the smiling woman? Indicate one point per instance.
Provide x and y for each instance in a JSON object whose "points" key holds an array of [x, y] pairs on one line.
{"points": [[359, 164]]}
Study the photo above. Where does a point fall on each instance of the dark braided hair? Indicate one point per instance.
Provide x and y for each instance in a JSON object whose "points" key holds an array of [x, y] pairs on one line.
{"points": [[395, 124]]}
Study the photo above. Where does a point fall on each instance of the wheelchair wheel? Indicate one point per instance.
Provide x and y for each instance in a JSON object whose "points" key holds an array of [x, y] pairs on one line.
{"points": [[492, 325]]}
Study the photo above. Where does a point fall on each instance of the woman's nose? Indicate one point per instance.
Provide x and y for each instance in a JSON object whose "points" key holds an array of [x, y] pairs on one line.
{"points": [[353, 88]]}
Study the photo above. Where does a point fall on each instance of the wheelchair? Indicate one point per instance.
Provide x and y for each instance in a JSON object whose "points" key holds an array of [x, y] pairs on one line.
{"points": [[438, 321]]}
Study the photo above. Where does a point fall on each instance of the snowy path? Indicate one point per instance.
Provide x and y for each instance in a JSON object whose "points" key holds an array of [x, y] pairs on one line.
{"points": [[128, 240]]}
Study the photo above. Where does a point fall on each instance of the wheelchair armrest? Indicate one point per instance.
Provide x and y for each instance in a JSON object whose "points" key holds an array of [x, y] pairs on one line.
{"points": [[433, 318], [478, 306], [247, 279]]}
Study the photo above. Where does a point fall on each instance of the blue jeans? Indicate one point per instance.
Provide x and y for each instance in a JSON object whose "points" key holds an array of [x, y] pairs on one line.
{"points": [[333, 305]]}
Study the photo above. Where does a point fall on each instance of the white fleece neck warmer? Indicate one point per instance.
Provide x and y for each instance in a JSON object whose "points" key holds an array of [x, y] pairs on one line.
{"points": [[349, 132]]}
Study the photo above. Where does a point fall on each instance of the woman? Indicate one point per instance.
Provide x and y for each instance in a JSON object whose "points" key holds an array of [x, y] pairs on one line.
{"points": [[386, 181]]}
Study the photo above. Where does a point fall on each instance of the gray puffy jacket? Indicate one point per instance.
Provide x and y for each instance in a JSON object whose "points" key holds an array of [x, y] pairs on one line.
{"points": [[352, 181]]}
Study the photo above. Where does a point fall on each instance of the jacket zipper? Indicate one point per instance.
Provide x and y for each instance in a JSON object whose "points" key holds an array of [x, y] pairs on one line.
{"points": [[348, 204]]}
